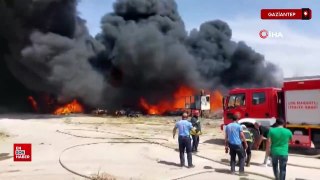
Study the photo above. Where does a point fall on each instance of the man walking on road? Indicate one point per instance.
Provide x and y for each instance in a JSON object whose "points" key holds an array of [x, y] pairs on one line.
{"points": [[263, 131], [249, 138], [279, 138], [184, 127], [195, 121], [234, 138]]}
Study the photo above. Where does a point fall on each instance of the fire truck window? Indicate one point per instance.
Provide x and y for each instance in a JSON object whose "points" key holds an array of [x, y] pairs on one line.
{"points": [[240, 100], [231, 101], [258, 98], [236, 100], [243, 100]]}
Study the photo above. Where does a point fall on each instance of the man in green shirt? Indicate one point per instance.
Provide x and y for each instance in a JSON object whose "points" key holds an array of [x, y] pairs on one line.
{"points": [[279, 138]]}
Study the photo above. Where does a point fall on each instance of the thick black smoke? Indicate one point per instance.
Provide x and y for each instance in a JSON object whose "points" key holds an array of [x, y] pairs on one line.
{"points": [[46, 48], [142, 51]]}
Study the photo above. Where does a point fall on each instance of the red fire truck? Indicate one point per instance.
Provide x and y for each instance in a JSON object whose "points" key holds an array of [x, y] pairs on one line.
{"points": [[297, 102]]}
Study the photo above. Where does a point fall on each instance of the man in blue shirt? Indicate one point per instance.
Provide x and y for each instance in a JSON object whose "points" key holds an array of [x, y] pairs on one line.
{"points": [[234, 138], [184, 127]]}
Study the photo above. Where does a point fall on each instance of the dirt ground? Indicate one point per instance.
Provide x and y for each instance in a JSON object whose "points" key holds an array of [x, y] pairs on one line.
{"points": [[79, 147]]}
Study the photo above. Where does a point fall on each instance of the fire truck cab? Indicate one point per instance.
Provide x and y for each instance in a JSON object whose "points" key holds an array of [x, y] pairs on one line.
{"points": [[258, 104], [297, 102]]}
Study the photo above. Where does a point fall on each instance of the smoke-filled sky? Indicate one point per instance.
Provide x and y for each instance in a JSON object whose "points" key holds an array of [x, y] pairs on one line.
{"points": [[294, 53], [143, 50]]}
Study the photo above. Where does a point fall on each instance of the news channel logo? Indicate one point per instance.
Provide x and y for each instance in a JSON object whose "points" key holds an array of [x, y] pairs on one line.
{"points": [[22, 152], [266, 34]]}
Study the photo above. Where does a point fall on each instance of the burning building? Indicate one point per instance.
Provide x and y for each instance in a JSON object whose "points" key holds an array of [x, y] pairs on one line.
{"points": [[142, 57]]}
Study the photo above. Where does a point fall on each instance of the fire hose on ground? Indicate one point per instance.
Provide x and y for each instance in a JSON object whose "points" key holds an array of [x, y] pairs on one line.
{"points": [[87, 144], [144, 140]]}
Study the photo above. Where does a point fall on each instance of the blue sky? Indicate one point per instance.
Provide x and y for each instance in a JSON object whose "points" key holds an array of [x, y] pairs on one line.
{"points": [[296, 53], [194, 12]]}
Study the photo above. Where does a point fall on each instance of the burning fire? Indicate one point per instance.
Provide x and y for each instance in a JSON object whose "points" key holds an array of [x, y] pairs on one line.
{"points": [[47, 104], [160, 108], [180, 98], [73, 107], [216, 101], [33, 103]]}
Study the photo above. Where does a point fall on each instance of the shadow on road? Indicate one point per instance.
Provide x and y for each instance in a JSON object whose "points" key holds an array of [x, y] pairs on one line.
{"points": [[225, 160], [256, 164], [225, 171], [207, 167], [4, 156], [169, 163], [215, 141], [251, 163]]}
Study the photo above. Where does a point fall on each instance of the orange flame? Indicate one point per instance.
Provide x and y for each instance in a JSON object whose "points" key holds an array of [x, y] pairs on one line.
{"points": [[179, 99], [182, 96], [160, 108], [216, 101], [33, 103], [73, 107]]}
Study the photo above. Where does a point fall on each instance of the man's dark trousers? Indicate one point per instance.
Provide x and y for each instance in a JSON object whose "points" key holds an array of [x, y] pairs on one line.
{"points": [[195, 142], [237, 150], [185, 145], [248, 152], [282, 161]]}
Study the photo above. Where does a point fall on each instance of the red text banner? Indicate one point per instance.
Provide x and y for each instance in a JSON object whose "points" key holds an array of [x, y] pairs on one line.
{"points": [[301, 14]]}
